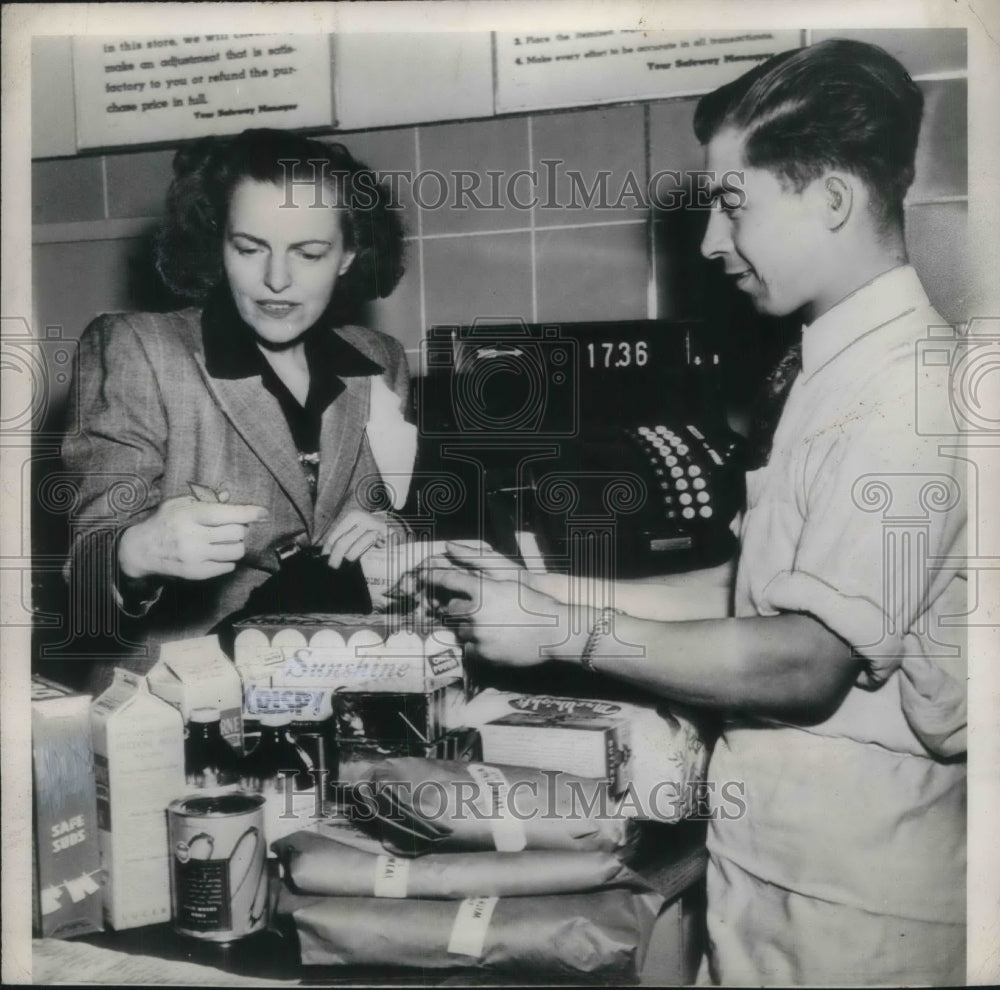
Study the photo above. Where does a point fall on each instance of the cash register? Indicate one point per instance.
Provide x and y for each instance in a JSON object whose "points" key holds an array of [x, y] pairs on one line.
{"points": [[592, 448]]}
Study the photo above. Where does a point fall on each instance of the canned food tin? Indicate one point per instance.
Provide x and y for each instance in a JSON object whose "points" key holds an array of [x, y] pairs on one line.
{"points": [[218, 871]]}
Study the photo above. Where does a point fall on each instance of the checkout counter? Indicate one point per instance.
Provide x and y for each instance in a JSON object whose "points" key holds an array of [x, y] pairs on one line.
{"points": [[593, 450], [671, 858]]}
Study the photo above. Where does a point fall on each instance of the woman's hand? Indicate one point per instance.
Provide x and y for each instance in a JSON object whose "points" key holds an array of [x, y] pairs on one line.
{"points": [[353, 534], [502, 621], [188, 539]]}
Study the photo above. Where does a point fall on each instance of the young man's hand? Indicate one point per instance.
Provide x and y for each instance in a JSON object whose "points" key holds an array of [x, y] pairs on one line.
{"points": [[501, 619]]}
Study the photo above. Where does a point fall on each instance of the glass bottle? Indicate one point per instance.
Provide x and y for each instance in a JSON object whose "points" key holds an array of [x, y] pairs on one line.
{"points": [[282, 771], [209, 761]]}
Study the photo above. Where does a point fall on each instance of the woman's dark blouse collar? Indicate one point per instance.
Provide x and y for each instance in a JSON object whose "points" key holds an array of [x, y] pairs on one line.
{"points": [[230, 351]]}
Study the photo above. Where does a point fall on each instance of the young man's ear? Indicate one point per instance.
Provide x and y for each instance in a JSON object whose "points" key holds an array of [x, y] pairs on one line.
{"points": [[838, 199]]}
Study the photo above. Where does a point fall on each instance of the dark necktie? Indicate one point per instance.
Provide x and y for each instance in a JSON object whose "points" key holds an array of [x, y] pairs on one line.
{"points": [[770, 403]]}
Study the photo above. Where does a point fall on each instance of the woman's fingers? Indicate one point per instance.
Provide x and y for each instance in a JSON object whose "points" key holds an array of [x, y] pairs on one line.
{"points": [[353, 545], [352, 535], [223, 552], [219, 513], [188, 539], [232, 533], [337, 548]]}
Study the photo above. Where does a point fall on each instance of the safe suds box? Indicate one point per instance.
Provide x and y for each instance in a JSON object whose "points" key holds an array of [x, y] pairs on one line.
{"points": [[67, 867]]}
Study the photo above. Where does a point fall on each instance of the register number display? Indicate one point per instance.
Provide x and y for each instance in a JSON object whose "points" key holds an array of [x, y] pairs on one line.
{"points": [[141, 90]]}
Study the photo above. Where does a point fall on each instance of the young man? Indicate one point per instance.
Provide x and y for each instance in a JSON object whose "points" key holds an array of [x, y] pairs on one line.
{"points": [[844, 700]]}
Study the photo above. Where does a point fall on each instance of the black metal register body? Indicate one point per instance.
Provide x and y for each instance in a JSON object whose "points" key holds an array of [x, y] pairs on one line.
{"points": [[607, 442]]}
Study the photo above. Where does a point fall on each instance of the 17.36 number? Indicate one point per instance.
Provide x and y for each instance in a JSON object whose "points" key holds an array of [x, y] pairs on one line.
{"points": [[618, 354]]}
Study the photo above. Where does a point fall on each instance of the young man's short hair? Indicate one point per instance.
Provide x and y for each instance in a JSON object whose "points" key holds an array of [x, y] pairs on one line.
{"points": [[837, 104]]}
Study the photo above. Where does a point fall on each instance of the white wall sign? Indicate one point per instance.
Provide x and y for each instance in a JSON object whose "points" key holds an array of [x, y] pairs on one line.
{"points": [[574, 68], [144, 90], [422, 77]]}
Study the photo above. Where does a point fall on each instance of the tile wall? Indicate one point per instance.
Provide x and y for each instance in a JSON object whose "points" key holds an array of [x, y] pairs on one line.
{"points": [[557, 259]]}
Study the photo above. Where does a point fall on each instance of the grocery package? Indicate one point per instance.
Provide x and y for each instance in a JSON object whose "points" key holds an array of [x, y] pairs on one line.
{"points": [[418, 805], [67, 867], [604, 933], [315, 740], [195, 673], [390, 716], [357, 756], [577, 739], [218, 876], [666, 760], [354, 685], [209, 760], [319, 863], [322, 652], [139, 769], [280, 769]]}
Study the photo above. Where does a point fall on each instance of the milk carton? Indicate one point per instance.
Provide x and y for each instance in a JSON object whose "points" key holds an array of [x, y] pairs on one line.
{"points": [[67, 866], [195, 673], [139, 769]]}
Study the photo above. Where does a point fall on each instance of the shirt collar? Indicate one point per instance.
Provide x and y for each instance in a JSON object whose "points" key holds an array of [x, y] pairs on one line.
{"points": [[885, 298], [230, 351]]}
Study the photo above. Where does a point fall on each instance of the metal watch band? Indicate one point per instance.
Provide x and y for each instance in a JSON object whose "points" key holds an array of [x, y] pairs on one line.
{"points": [[601, 627]]}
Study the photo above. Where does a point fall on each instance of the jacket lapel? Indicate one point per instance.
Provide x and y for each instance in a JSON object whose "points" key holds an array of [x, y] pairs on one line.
{"points": [[341, 441], [257, 417]]}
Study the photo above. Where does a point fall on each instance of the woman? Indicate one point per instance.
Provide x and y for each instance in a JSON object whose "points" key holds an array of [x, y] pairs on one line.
{"points": [[214, 437]]}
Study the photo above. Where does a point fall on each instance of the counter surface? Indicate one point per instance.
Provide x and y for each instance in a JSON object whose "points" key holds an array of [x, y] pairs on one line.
{"points": [[671, 858]]}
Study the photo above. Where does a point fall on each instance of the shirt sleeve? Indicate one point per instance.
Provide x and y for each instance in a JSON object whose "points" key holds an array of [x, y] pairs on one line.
{"points": [[879, 562]]}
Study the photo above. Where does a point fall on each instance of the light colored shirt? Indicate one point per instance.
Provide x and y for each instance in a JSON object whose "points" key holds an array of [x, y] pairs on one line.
{"points": [[859, 519]]}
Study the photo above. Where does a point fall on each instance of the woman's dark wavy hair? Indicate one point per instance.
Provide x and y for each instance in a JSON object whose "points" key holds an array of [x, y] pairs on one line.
{"points": [[838, 104], [189, 245]]}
